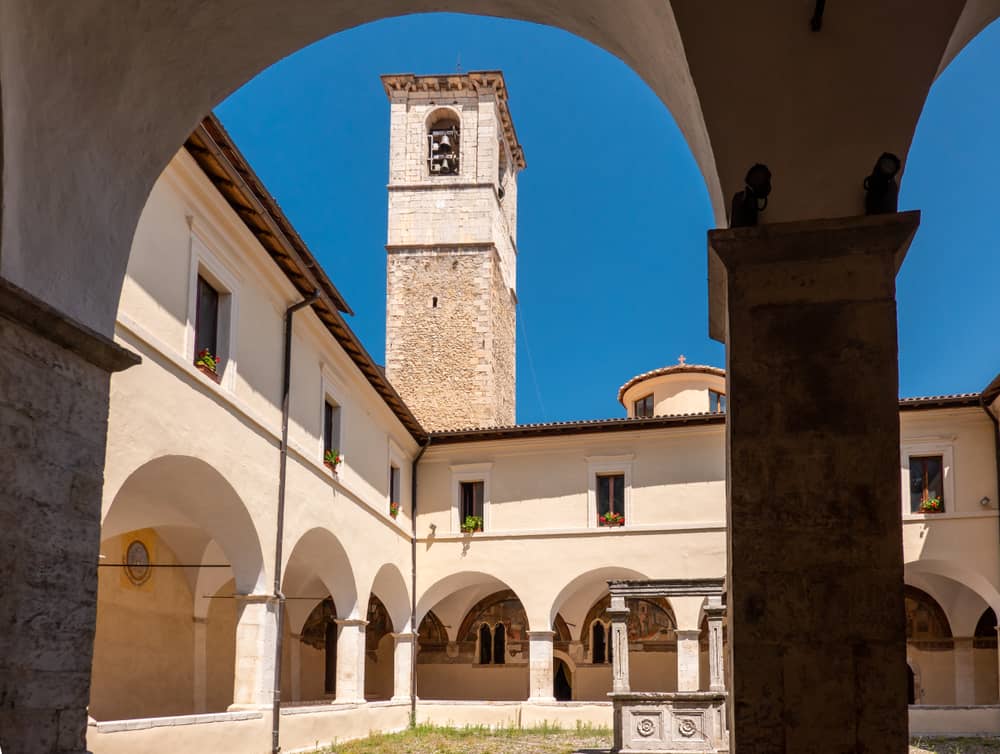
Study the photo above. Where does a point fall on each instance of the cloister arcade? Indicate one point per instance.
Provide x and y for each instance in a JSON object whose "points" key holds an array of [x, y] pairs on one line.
{"points": [[96, 100]]}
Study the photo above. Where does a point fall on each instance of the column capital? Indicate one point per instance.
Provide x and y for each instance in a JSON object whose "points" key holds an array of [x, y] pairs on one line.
{"points": [[691, 634], [403, 636], [350, 622], [733, 249], [540, 634], [255, 599]]}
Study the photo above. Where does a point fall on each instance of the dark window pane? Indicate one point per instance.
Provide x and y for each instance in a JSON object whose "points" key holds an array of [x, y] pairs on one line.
{"points": [[331, 426], [393, 484], [599, 643], [643, 407], [499, 644], [926, 481], [610, 494], [206, 322], [471, 499], [485, 644], [603, 495]]}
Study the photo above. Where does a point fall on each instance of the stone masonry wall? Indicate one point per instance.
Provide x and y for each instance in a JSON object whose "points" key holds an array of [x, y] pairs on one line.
{"points": [[442, 359], [503, 322], [53, 426]]}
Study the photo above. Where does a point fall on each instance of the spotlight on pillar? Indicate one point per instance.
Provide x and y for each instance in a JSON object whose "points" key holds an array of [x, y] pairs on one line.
{"points": [[984, 502], [882, 192], [752, 200]]}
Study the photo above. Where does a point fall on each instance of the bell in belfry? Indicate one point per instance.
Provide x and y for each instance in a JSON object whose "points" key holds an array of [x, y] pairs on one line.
{"points": [[444, 144]]}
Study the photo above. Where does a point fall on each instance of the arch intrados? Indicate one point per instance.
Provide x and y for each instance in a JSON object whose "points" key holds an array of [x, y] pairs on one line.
{"points": [[449, 585], [593, 582], [964, 577], [183, 491], [319, 554], [393, 592], [441, 115]]}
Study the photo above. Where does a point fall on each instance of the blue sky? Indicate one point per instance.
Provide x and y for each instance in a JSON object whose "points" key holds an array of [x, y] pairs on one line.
{"points": [[611, 264]]}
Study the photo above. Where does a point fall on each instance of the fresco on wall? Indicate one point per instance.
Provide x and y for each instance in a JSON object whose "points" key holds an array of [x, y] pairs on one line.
{"points": [[649, 620], [925, 620], [500, 607], [378, 623], [314, 629], [432, 632]]}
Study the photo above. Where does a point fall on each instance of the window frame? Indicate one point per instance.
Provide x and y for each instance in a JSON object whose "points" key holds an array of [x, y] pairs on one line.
{"points": [[205, 264], [720, 401], [604, 466], [470, 472], [924, 449], [652, 407], [330, 391]]}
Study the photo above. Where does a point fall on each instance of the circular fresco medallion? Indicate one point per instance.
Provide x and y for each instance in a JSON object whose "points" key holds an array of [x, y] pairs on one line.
{"points": [[137, 566]]}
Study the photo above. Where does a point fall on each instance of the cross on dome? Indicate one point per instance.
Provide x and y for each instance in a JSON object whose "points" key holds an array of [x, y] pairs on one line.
{"points": [[681, 359]]}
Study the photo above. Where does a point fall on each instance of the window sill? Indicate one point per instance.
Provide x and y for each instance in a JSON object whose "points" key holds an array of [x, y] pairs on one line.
{"points": [[987, 513]]}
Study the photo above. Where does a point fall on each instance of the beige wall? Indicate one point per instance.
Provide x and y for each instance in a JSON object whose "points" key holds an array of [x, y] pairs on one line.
{"points": [[675, 393]]}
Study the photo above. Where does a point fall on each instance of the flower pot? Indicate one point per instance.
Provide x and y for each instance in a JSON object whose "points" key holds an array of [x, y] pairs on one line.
{"points": [[206, 371], [332, 466]]}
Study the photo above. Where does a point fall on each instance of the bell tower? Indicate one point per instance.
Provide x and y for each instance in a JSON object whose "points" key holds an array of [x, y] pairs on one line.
{"points": [[451, 270]]}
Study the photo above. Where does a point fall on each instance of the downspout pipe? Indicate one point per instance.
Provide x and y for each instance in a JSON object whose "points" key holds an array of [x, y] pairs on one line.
{"points": [[413, 579], [279, 597]]}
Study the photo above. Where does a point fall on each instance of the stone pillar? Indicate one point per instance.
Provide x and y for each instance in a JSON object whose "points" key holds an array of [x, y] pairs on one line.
{"points": [[200, 665], [54, 392], [814, 549], [402, 665], [295, 666], [715, 614], [618, 642], [965, 672], [350, 661], [540, 672], [688, 660], [256, 635]]}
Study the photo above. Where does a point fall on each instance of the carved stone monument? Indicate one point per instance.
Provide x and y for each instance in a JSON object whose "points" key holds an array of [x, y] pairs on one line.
{"points": [[675, 722]]}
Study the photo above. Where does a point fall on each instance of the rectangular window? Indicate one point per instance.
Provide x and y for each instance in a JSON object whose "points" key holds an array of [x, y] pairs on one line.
{"points": [[331, 426], [471, 500], [610, 498], [643, 408], [926, 484], [716, 402], [206, 327], [393, 484]]}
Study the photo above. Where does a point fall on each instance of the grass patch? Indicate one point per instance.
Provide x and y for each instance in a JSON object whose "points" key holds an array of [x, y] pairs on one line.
{"points": [[964, 745], [547, 738]]}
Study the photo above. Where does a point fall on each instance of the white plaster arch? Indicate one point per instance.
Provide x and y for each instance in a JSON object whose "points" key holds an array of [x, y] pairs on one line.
{"points": [[319, 557], [473, 582], [577, 596], [391, 588], [950, 570], [209, 580], [185, 492]]}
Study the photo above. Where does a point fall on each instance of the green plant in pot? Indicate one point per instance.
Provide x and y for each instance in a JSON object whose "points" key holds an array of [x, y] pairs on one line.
{"points": [[332, 459], [932, 505], [472, 523]]}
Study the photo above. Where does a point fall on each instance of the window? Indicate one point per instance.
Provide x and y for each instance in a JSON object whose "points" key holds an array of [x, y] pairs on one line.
{"points": [[610, 499], [598, 645], [927, 484], [716, 402], [485, 645], [331, 426], [443, 146], [643, 408], [499, 644], [206, 323], [471, 497], [394, 484]]}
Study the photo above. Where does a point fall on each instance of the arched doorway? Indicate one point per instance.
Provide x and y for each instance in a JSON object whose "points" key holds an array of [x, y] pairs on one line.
{"points": [[562, 681]]}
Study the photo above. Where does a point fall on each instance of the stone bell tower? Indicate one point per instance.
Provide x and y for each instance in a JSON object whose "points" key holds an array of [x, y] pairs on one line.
{"points": [[452, 248]]}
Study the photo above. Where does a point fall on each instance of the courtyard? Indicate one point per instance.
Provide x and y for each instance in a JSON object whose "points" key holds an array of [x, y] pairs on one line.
{"points": [[545, 739]]}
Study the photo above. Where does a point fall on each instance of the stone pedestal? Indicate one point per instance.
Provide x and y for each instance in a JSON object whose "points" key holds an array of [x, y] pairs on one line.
{"points": [[688, 660], [256, 635], [54, 388], [540, 662], [402, 667], [670, 723], [815, 585], [351, 661]]}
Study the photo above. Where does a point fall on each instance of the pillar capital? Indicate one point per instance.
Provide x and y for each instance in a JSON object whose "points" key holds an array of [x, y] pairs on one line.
{"points": [[885, 237], [403, 636], [254, 599], [346, 622], [540, 635], [690, 634]]}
